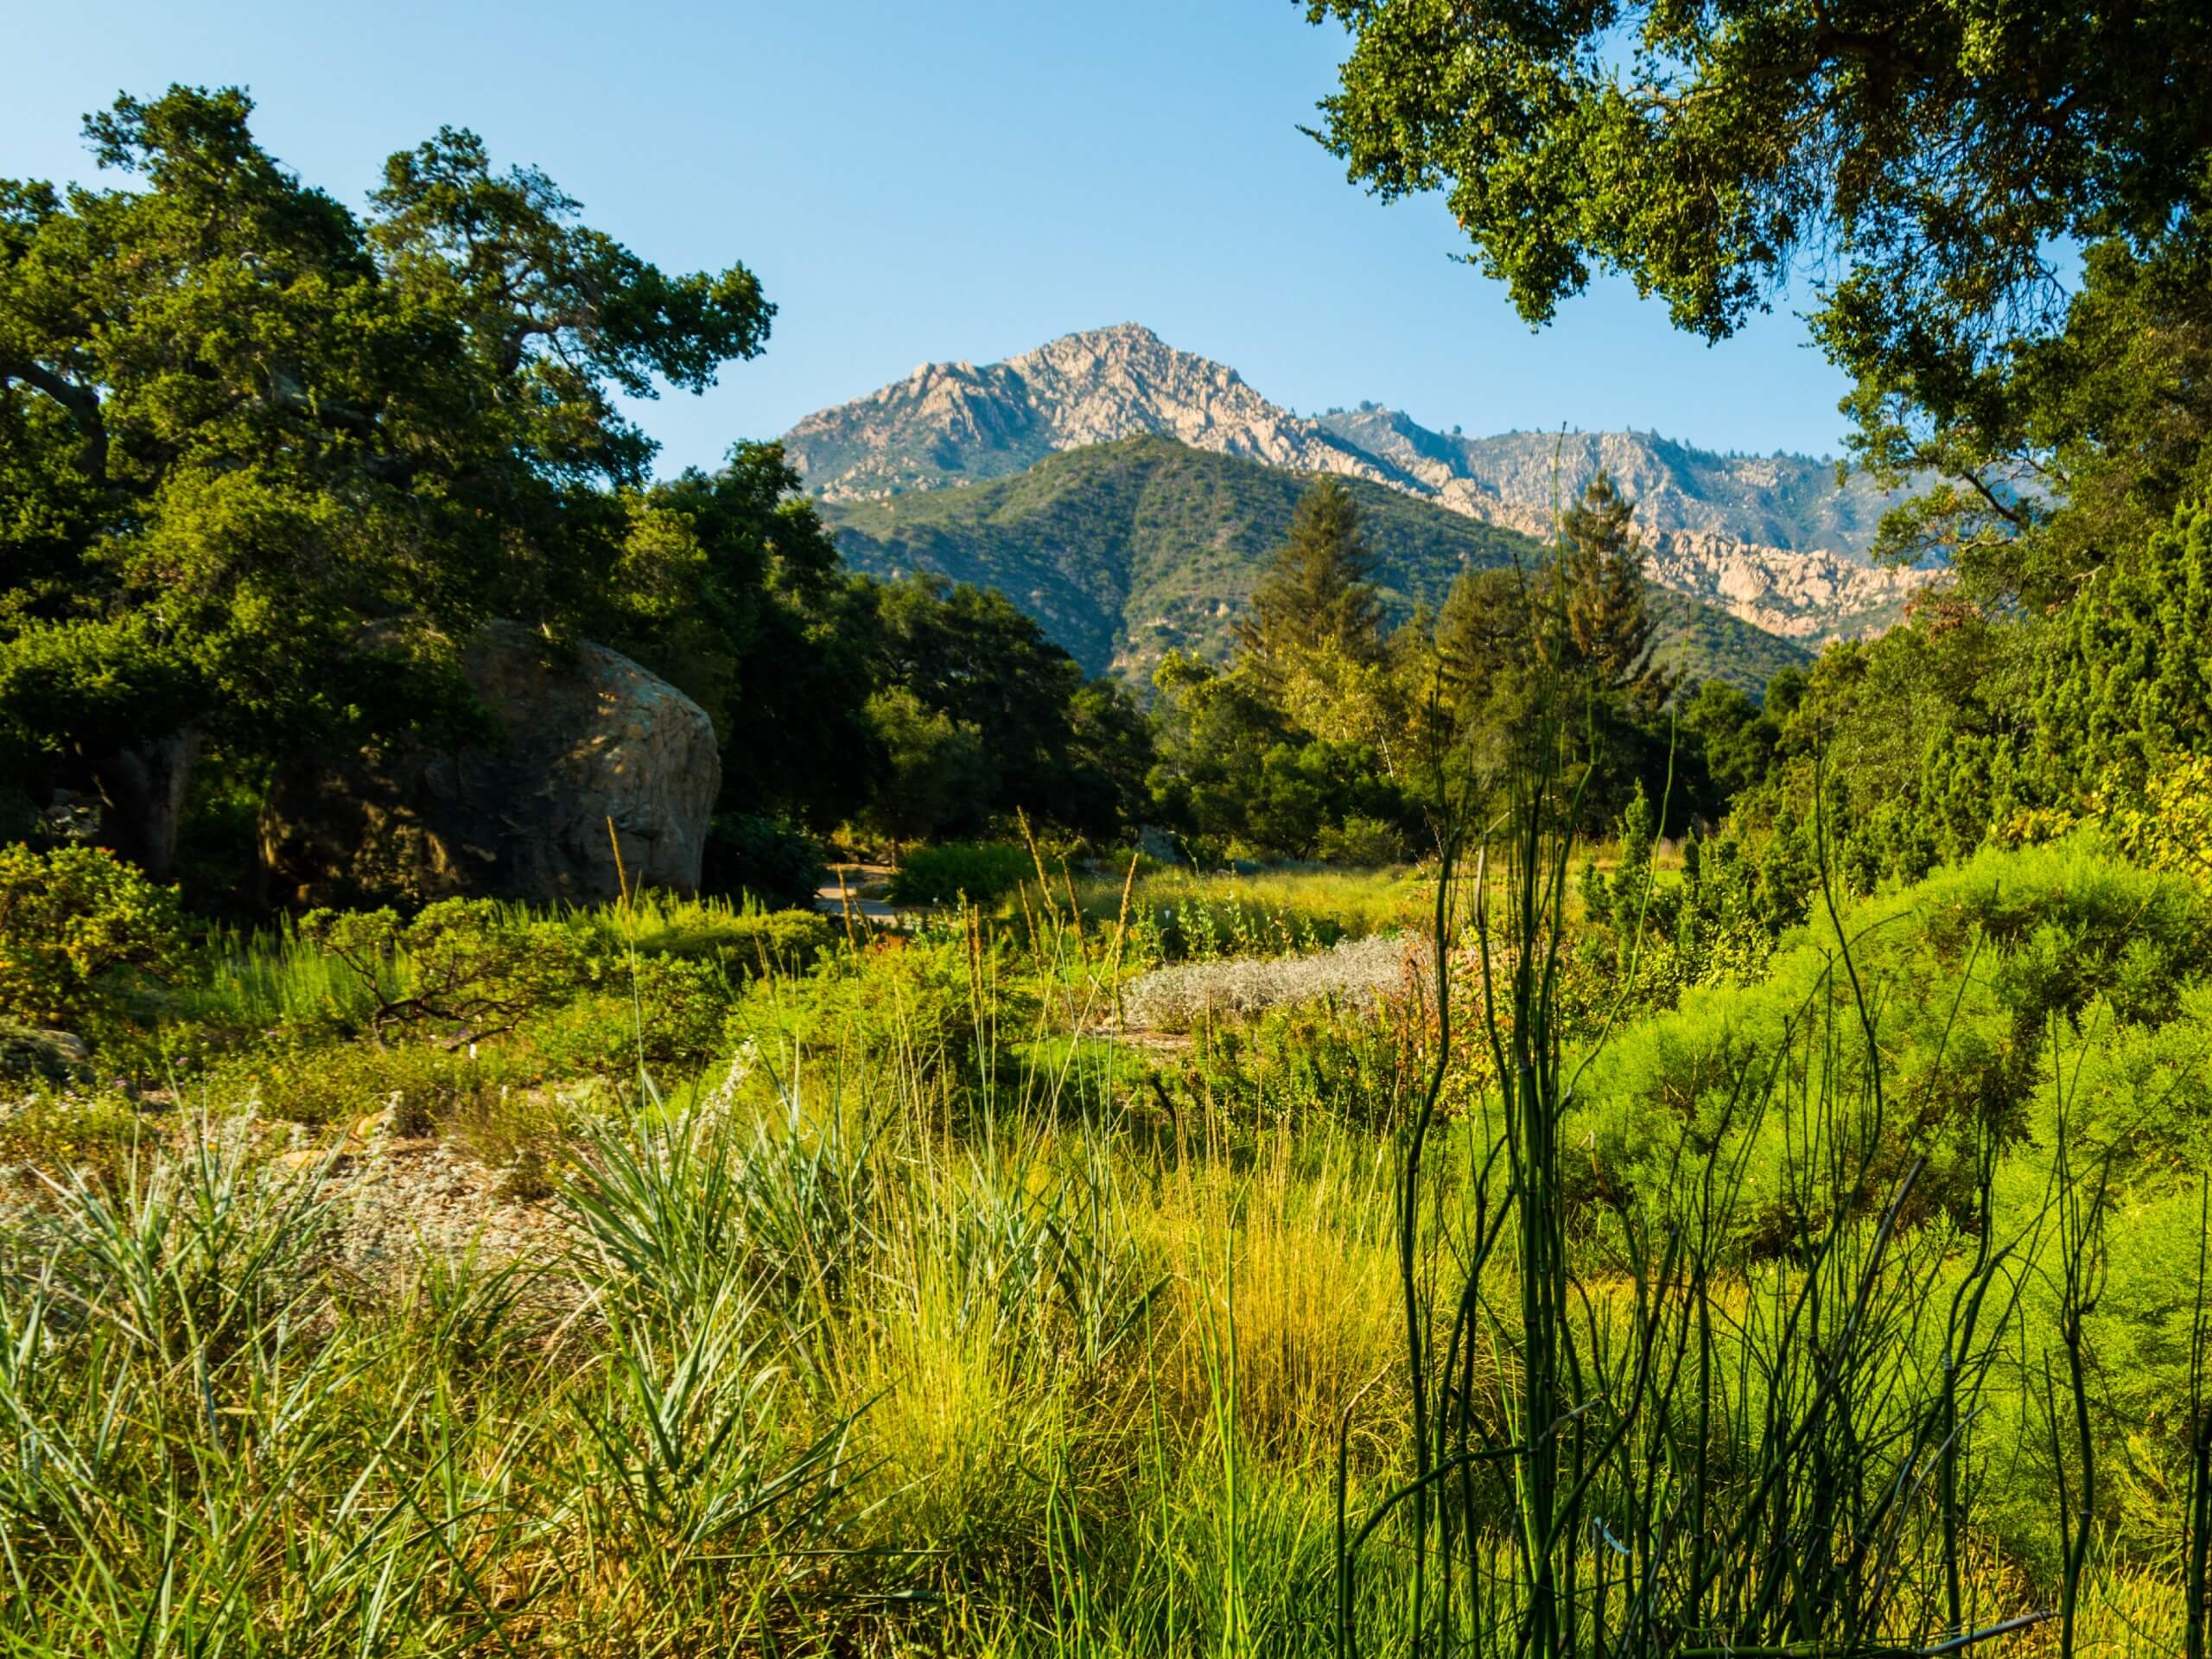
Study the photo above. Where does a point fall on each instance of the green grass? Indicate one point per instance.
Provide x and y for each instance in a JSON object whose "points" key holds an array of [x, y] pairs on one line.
{"points": [[925, 1316], [1182, 915]]}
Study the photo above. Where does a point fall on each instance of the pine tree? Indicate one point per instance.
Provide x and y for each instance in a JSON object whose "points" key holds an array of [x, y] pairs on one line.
{"points": [[1599, 590], [1318, 594], [1482, 637]]}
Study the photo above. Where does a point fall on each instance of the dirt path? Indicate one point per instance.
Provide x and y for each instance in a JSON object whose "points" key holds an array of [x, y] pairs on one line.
{"points": [[841, 893]]}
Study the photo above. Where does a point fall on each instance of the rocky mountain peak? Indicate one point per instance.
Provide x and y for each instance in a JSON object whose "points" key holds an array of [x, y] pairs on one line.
{"points": [[1771, 538]]}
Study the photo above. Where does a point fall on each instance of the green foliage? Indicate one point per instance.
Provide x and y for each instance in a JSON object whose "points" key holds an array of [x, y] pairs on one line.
{"points": [[1596, 583], [1297, 1066], [980, 872], [1125, 551], [730, 588], [666, 1014], [1505, 639], [740, 941], [941, 1004], [389, 429], [468, 965], [2056, 433], [80, 932], [418, 1086], [1925, 156], [938, 775], [1233, 767], [1695, 644], [2127, 689], [1961, 727], [1982, 979], [69, 1128], [1366, 844], [2167, 824], [922, 1228], [1316, 593], [980, 715], [766, 859], [1735, 737]]}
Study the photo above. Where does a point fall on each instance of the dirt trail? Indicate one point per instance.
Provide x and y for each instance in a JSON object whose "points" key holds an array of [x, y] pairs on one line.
{"points": [[836, 898]]}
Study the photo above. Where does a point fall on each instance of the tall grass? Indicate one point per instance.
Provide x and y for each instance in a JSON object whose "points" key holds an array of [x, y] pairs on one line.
{"points": [[1187, 916], [271, 976], [1634, 1428], [917, 1332]]}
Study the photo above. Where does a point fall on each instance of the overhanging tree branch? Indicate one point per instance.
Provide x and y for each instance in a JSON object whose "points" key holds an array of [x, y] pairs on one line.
{"points": [[82, 402]]}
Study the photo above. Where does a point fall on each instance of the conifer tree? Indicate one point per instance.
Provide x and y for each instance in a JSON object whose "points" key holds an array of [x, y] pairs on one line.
{"points": [[1317, 595], [1483, 637], [1600, 594]]}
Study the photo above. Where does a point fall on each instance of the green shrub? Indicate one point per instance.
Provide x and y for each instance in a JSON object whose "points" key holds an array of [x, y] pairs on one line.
{"points": [[54, 1130], [978, 871], [467, 964], [419, 1085], [770, 859], [666, 1014], [928, 1002], [742, 939], [1979, 981], [81, 933], [1364, 844]]}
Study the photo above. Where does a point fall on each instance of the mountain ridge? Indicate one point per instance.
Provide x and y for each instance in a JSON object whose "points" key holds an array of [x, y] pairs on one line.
{"points": [[1772, 540], [1128, 550]]}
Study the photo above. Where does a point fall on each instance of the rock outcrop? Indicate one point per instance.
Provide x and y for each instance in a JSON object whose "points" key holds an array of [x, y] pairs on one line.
{"points": [[589, 737], [955, 422]]}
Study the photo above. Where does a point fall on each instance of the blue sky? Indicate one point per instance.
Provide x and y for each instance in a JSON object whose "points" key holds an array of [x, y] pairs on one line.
{"points": [[938, 180]]}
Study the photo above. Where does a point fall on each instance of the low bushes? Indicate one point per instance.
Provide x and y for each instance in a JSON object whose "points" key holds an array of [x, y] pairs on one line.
{"points": [[1986, 984], [664, 1013], [743, 938], [771, 860], [1362, 843], [83, 936], [981, 872], [419, 1085]]}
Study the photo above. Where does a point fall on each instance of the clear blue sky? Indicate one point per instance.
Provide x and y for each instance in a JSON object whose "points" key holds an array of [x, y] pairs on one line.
{"points": [[942, 179]]}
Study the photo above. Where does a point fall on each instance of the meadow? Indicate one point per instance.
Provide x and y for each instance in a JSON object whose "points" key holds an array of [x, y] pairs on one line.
{"points": [[792, 1287], [1744, 1193]]}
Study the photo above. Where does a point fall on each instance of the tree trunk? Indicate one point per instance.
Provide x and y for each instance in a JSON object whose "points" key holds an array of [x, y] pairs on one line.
{"points": [[144, 791]]}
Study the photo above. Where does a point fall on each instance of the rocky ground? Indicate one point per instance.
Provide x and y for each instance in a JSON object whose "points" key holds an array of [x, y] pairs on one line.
{"points": [[404, 1199]]}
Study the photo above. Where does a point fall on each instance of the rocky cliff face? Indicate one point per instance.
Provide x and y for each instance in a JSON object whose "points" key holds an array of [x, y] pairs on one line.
{"points": [[957, 424], [1772, 539]]}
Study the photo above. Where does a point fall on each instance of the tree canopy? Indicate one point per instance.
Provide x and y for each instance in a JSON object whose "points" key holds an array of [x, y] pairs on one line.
{"points": [[1928, 168], [1925, 155], [1317, 592], [261, 457]]}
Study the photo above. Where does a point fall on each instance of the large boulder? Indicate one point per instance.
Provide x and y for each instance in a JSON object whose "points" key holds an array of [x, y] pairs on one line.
{"points": [[590, 740]]}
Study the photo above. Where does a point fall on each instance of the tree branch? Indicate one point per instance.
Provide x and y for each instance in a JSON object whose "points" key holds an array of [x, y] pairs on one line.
{"points": [[82, 402]]}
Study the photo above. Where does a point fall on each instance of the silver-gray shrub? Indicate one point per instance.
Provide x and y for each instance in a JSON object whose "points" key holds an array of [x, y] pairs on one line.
{"points": [[1357, 974]]}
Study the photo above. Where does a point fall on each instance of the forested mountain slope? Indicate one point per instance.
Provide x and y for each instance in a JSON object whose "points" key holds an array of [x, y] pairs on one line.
{"points": [[1124, 551]]}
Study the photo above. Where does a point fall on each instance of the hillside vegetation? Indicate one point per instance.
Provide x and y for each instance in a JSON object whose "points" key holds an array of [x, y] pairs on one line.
{"points": [[1125, 551]]}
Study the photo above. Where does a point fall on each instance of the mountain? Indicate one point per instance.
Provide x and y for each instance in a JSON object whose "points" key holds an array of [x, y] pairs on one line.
{"points": [[1772, 540], [1125, 549], [955, 423]]}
